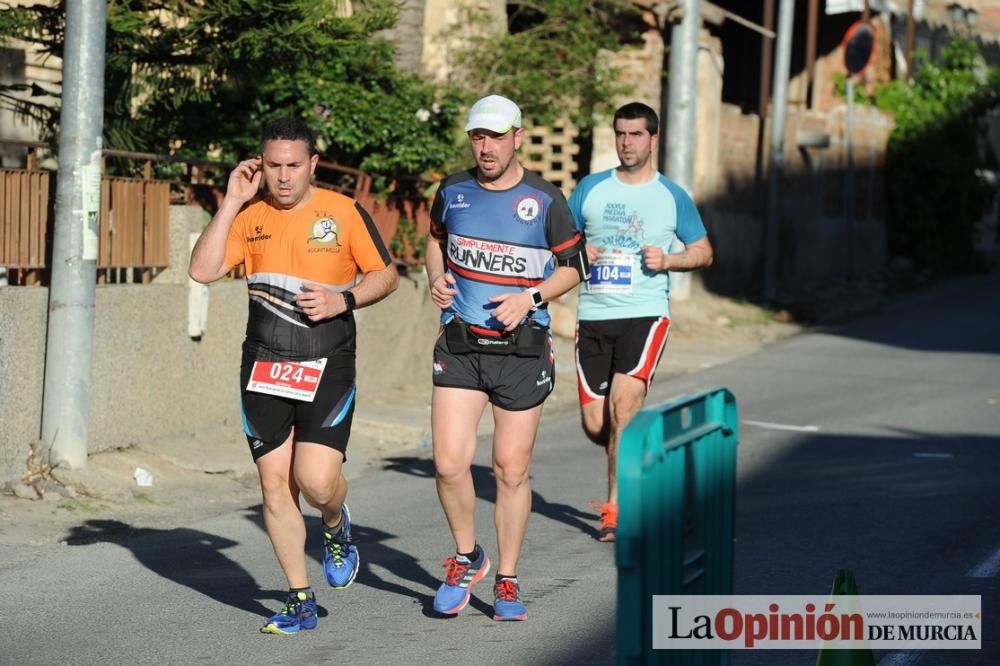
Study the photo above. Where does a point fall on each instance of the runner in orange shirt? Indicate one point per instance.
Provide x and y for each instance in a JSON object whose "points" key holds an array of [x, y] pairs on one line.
{"points": [[303, 248]]}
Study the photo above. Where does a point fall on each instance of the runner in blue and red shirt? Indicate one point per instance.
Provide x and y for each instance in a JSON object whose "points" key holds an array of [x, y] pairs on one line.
{"points": [[503, 244]]}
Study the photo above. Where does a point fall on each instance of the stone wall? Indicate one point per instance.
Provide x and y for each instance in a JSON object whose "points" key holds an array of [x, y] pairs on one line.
{"points": [[446, 29], [552, 152], [151, 380], [642, 68], [22, 364], [407, 35], [819, 244]]}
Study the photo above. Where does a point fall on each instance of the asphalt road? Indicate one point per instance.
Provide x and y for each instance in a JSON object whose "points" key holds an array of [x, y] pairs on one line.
{"points": [[889, 468]]}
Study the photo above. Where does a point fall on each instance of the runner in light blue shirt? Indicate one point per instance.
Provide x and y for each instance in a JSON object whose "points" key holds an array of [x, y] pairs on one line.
{"points": [[622, 218], [631, 216]]}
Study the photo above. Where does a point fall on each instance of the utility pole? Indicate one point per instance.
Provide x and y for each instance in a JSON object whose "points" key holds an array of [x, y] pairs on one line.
{"points": [[682, 96], [911, 30], [763, 99], [812, 23], [69, 343], [779, 110], [681, 104]]}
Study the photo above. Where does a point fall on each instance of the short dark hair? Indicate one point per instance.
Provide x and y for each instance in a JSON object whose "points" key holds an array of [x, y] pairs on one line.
{"points": [[289, 129], [634, 110]]}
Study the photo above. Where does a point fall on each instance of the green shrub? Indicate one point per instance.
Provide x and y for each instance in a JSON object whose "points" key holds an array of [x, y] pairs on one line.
{"points": [[934, 196]]}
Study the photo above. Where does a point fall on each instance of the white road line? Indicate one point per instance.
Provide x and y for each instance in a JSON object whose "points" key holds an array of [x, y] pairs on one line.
{"points": [[901, 658], [782, 426], [988, 568], [934, 455]]}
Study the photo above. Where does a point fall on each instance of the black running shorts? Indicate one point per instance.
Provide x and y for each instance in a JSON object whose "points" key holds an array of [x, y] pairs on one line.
{"points": [[512, 382], [268, 419], [628, 346]]}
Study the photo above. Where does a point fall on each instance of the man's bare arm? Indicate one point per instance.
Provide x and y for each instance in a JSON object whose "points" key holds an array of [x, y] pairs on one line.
{"points": [[439, 281], [375, 286], [695, 255], [208, 259], [513, 307], [318, 302]]}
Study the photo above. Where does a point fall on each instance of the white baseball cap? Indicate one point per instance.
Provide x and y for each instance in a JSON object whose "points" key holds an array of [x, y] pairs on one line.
{"points": [[494, 113]]}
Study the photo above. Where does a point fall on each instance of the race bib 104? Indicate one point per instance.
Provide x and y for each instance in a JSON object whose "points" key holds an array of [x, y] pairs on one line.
{"points": [[611, 274], [297, 381]]}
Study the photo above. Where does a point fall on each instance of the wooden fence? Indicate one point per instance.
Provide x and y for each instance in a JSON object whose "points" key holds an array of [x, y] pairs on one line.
{"points": [[135, 226], [25, 207], [133, 229], [135, 216]]}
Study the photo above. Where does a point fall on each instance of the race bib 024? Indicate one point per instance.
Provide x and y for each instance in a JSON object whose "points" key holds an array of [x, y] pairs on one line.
{"points": [[297, 381]]}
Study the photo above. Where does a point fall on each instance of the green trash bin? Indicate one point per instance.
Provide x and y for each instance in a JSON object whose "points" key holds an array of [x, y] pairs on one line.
{"points": [[676, 500]]}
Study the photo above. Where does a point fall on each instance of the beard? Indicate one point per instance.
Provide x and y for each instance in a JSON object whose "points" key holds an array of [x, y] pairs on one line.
{"points": [[633, 160], [490, 166]]}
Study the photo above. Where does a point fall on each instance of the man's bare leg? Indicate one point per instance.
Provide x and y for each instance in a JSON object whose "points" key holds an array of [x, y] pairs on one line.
{"points": [[319, 475], [594, 417], [282, 516], [513, 441], [455, 415], [625, 399]]}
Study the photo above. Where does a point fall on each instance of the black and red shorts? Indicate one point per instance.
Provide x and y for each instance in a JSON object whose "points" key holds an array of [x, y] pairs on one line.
{"points": [[516, 371], [269, 419], [627, 346]]}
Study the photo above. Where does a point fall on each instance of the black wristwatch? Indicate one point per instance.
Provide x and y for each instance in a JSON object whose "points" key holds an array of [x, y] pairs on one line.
{"points": [[349, 301]]}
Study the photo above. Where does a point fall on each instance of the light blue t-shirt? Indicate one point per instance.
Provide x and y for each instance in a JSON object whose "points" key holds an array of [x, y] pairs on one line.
{"points": [[621, 218]]}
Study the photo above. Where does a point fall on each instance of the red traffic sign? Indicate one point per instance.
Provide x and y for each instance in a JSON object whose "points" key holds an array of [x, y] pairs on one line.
{"points": [[859, 46]]}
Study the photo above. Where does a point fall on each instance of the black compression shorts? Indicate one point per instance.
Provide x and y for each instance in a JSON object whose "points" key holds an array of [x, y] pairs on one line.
{"points": [[627, 346], [269, 419], [512, 382]]}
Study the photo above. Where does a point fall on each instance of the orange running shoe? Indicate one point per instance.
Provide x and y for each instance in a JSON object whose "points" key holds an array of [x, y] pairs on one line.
{"points": [[609, 519]]}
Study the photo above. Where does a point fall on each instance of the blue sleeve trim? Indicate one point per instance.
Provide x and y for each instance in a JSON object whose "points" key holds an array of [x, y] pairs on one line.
{"points": [[690, 227], [579, 196]]}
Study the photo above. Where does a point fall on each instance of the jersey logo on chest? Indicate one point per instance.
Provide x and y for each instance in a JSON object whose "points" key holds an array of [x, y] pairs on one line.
{"points": [[324, 235], [527, 208]]}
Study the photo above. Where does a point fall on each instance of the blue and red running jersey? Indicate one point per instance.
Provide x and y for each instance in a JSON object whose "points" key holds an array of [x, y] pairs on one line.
{"points": [[498, 241]]}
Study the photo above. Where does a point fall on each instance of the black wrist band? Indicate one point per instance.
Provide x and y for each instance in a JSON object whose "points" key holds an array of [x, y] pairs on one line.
{"points": [[349, 301]]}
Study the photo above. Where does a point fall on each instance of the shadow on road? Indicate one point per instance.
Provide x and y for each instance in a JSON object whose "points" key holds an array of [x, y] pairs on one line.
{"points": [[377, 554], [188, 557], [882, 505], [486, 490]]}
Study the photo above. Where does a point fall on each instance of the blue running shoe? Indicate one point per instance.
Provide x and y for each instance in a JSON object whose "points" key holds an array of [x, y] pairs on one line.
{"points": [[508, 605], [299, 613], [340, 555], [459, 576]]}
